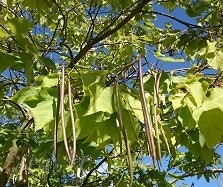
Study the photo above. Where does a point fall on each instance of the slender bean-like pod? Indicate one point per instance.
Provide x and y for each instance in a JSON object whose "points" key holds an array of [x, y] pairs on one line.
{"points": [[128, 151], [148, 126], [57, 117], [156, 95], [73, 154], [62, 113], [156, 105]]}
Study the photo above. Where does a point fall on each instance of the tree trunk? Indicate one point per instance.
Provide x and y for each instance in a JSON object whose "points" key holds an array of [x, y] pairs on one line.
{"points": [[8, 165], [23, 172]]}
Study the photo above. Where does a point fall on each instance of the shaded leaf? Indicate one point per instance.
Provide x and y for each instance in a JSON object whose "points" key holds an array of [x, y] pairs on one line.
{"points": [[19, 25], [186, 118], [211, 126], [8, 60]]}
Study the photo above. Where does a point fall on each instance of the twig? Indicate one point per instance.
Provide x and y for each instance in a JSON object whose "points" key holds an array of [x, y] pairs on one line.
{"points": [[96, 167], [52, 38], [101, 37], [51, 166], [196, 173], [190, 25]]}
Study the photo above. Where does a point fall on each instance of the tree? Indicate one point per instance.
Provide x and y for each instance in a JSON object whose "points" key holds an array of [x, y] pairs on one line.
{"points": [[85, 99]]}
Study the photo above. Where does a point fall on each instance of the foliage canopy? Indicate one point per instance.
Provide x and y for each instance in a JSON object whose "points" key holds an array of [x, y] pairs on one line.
{"points": [[103, 92]]}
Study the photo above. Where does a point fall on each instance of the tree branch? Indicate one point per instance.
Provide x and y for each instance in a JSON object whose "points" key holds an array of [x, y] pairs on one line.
{"points": [[197, 173], [96, 167], [101, 37], [11, 157], [190, 25]]}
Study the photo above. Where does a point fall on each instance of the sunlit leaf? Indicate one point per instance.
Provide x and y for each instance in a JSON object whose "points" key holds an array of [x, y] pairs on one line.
{"points": [[167, 58], [217, 61]]}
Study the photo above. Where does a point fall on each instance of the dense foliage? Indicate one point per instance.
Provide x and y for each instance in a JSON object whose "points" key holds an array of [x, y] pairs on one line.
{"points": [[110, 92]]}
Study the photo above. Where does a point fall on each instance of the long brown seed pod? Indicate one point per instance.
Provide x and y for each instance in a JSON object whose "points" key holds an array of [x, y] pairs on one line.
{"points": [[148, 126], [57, 117], [124, 132], [73, 154], [157, 93], [156, 103], [62, 113]]}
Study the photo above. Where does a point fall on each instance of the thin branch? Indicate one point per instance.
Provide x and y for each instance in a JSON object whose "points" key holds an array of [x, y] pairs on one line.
{"points": [[20, 107], [64, 27], [212, 171], [91, 28], [96, 167], [190, 25], [52, 38], [51, 166], [101, 37]]}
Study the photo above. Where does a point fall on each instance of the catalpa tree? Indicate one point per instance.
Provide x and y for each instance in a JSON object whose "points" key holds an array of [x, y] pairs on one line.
{"points": [[109, 92]]}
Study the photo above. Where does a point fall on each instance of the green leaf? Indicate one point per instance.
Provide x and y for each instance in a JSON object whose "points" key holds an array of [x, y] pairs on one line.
{"points": [[192, 12], [132, 104], [27, 45], [164, 58], [130, 125], [196, 90], [90, 78], [106, 131], [217, 61], [8, 60], [86, 148], [102, 99], [87, 124], [47, 62], [211, 47], [19, 25], [202, 152], [177, 99], [170, 5], [211, 126], [40, 102], [28, 64], [3, 33], [50, 80], [98, 128], [42, 112], [23, 94], [38, 4], [186, 119]]}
